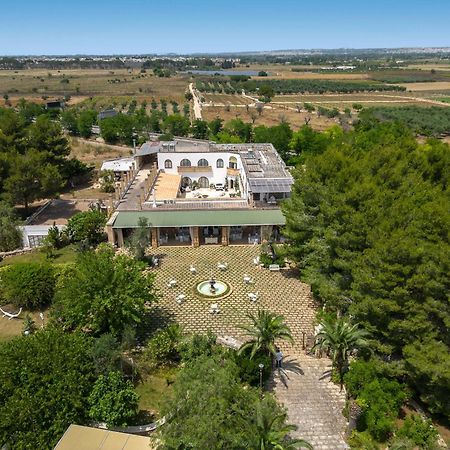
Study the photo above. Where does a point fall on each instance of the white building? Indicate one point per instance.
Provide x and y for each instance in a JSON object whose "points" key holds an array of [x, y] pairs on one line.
{"points": [[196, 192]]}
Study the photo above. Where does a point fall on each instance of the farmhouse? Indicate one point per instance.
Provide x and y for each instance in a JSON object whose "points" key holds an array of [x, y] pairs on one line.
{"points": [[198, 192]]}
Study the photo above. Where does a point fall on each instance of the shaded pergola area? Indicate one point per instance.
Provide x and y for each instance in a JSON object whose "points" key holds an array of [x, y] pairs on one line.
{"points": [[194, 228]]}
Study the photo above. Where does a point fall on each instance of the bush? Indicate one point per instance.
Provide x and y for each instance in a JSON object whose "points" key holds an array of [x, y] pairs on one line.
{"points": [[113, 400], [420, 432], [28, 285], [383, 397], [87, 226], [162, 348], [249, 367], [196, 346], [362, 441]]}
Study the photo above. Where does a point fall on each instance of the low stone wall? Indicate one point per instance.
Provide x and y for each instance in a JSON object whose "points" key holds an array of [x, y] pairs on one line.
{"points": [[19, 251]]}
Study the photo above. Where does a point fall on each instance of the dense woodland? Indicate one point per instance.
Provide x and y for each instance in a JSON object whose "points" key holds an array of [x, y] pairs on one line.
{"points": [[369, 221], [34, 155]]}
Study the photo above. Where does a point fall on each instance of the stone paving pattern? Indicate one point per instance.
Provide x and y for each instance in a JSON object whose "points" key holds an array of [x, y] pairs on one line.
{"points": [[280, 292], [314, 404]]}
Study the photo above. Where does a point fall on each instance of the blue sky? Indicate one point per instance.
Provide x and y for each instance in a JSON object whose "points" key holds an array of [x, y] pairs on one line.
{"points": [[148, 26]]}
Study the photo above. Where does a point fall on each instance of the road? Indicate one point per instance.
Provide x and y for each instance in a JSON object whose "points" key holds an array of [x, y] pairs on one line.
{"points": [[197, 103]]}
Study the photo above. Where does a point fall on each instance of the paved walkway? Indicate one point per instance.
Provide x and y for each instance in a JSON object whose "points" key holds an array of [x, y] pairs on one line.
{"points": [[314, 404]]}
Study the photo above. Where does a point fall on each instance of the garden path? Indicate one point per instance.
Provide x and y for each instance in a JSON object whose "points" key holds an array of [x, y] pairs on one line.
{"points": [[314, 404]]}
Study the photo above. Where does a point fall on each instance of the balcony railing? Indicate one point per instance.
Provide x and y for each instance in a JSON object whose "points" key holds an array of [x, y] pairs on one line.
{"points": [[194, 169], [232, 172]]}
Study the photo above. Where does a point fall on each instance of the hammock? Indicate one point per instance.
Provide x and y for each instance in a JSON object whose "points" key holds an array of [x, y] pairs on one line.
{"points": [[10, 315]]}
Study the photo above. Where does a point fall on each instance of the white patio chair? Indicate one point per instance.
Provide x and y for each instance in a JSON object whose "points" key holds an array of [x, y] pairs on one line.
{"points": [[180, 298], [222, 266], [253, 296], [214, 309], [192, 269], [247, 279], [172, 283]]}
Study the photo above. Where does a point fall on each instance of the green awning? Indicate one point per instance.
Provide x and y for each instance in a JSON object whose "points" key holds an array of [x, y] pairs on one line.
{"points": [[160, 219]]}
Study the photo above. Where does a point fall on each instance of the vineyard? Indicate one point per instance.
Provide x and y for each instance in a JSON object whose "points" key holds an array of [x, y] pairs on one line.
{"points": [[292, 86]]}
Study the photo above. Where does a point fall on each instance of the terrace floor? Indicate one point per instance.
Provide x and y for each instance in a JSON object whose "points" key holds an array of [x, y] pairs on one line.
{"points": [[314, 404], [280, 292]]}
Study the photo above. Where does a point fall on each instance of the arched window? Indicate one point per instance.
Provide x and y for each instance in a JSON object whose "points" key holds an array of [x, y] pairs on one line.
{"points": [[203, 182], [232, 163], [203, 163], [186, 181], [219, 164], [167, 164], [185, 163]]}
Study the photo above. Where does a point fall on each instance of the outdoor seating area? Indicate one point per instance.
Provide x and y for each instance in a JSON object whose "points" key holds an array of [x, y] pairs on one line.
{"points": [[276, 291], [202, 193]]}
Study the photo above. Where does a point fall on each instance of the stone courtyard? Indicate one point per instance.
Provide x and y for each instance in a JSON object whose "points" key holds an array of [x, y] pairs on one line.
{"points": [[303, 386], [280, 292]]}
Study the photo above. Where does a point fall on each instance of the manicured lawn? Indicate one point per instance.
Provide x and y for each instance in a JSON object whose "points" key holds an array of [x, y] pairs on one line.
{"points": [[154, 388], [62, 256]]}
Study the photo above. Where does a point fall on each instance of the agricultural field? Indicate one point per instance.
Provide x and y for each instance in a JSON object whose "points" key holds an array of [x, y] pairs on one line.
{"points": [[38, 85], [437, 86], [269, 117], [226, 99]]}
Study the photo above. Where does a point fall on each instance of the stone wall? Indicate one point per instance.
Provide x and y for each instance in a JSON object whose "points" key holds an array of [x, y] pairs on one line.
{"points": [[19, 251]]}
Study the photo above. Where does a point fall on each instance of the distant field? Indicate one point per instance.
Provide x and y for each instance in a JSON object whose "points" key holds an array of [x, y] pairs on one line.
{"points": [[269, 117], [34, 84], [436, 86], [232, 99]]}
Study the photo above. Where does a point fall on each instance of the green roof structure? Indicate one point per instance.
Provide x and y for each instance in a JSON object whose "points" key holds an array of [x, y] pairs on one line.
{"points": [[196, 218]]}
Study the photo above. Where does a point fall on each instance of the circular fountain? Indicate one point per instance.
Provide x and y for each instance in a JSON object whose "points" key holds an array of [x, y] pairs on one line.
{"points": [[213, 289]]}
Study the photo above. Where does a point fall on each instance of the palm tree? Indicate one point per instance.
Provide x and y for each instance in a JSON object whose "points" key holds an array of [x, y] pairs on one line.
{"points": [[273, 431], [340, 338], [264, 329]]}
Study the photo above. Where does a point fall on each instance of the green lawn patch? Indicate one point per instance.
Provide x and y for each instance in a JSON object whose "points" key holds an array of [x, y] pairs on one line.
{"points": [[154, 388], [62, 256]]}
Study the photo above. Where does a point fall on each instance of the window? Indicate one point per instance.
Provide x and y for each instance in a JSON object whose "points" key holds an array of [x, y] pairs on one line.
{"points": [[185, 163], [203, 163], [167, 164], [186, 181], [203, 182], [219, 164], [232, 164]]}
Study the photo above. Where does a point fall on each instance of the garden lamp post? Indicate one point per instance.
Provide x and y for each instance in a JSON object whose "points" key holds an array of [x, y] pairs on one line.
{"points": [[261, 367]]}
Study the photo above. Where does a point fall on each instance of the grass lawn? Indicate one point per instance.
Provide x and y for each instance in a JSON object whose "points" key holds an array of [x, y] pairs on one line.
{"points": [[12, 328], [154, 388], [62, 256]]}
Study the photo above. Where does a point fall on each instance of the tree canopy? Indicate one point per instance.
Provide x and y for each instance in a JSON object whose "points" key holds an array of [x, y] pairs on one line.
{"points": [[103, 292], [211, 409], [45, 380], [34, 160], [369, 220]]}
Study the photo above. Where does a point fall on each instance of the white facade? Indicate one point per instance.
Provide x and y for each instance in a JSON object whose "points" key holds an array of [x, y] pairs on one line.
{"points": [[34, 234], [215, 165]]}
